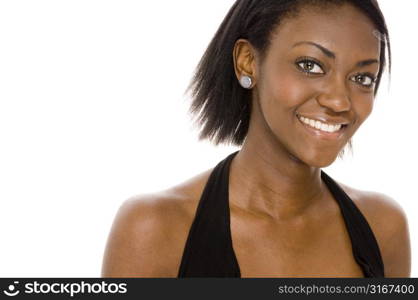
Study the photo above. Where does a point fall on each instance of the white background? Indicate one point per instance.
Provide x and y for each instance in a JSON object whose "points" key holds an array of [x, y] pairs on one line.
{"points": [[92, 112]]}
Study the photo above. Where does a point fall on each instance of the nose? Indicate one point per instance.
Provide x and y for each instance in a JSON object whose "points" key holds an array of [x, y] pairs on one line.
{"points": [[335, 96]]}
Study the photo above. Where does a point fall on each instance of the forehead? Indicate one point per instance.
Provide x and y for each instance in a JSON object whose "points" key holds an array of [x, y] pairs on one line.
{"points": [[342, 29]]}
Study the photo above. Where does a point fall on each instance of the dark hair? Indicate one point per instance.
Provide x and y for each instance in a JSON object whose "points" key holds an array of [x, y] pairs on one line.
{"points": [[220, 105]]}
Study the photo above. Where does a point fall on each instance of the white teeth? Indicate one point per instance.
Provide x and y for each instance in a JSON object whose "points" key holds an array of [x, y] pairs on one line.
{"points": [[311, 122], [324, 127], [321, 126]]}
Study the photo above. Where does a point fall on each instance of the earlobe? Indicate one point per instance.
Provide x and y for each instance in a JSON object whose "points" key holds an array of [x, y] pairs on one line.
{"points": [[244, 63]]}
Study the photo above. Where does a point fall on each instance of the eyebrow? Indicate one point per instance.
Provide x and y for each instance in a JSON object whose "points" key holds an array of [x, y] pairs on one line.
{"points": [[332, 55]]}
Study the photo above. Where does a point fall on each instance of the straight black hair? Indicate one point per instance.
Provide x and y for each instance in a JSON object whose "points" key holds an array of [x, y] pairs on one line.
{"points": [[221, 107]]}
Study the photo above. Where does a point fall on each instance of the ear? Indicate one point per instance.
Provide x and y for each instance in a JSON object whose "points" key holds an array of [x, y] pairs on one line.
{"points": [[245, 62]]}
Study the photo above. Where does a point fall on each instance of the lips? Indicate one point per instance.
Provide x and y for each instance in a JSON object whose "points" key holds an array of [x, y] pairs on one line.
{"points": [[321, 125], [326, 128]]}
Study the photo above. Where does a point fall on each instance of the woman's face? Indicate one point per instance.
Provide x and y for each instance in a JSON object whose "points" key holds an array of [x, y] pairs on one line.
{"points": [[315, 86]]}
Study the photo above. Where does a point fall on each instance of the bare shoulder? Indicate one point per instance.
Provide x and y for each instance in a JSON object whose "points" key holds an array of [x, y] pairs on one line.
{"points": [[389, 223], [149, 232]]}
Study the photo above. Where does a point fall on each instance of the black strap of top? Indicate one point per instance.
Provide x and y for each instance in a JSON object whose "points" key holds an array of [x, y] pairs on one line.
{"points": [[209, 253], [365, 247]]}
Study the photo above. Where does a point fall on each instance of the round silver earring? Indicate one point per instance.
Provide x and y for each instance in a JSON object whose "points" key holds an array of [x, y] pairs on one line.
{"points": [[246, 82]]}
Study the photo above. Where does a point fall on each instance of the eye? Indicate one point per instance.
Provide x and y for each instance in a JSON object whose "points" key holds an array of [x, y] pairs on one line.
{"points": [[310, 66], [367, 80]]}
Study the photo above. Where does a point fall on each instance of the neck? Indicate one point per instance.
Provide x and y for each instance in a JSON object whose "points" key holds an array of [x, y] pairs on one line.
{"points": [[268, 180]]}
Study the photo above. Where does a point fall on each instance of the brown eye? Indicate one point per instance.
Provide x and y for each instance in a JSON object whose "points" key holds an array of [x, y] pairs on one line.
{"points": [[310, 67], [364, 80]]}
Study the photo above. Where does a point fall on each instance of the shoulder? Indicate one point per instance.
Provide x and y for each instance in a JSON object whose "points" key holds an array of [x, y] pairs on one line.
{"points": [[389, 224], [149, 232]]}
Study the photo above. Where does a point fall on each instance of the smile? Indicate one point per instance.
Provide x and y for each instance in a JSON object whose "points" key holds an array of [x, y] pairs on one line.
{"points": [[320, 125]]}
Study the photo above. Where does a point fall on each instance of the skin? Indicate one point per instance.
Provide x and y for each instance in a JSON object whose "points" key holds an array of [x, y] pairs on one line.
{"points": [[277, 199]]}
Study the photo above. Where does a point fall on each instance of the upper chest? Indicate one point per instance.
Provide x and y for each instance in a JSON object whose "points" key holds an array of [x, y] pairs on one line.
{"points": [[305, 247], [319, 245]]}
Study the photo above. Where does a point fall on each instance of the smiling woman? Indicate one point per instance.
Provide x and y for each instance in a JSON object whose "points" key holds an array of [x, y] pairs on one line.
{"points": [[290, 82]]}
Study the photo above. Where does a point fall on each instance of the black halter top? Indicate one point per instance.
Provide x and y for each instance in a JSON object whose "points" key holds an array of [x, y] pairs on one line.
{"points": [[209, 253]]}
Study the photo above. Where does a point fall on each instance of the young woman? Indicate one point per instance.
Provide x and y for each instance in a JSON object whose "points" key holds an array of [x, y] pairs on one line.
{"points": [[291, 82]]}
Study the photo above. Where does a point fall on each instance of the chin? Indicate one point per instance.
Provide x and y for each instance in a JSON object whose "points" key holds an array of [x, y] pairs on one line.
{"points": [[320, 161], [322, 164]]}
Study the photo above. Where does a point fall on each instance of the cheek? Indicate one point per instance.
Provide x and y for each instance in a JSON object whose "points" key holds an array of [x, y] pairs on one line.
{"points": [[287, 90], [363, 105]]}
